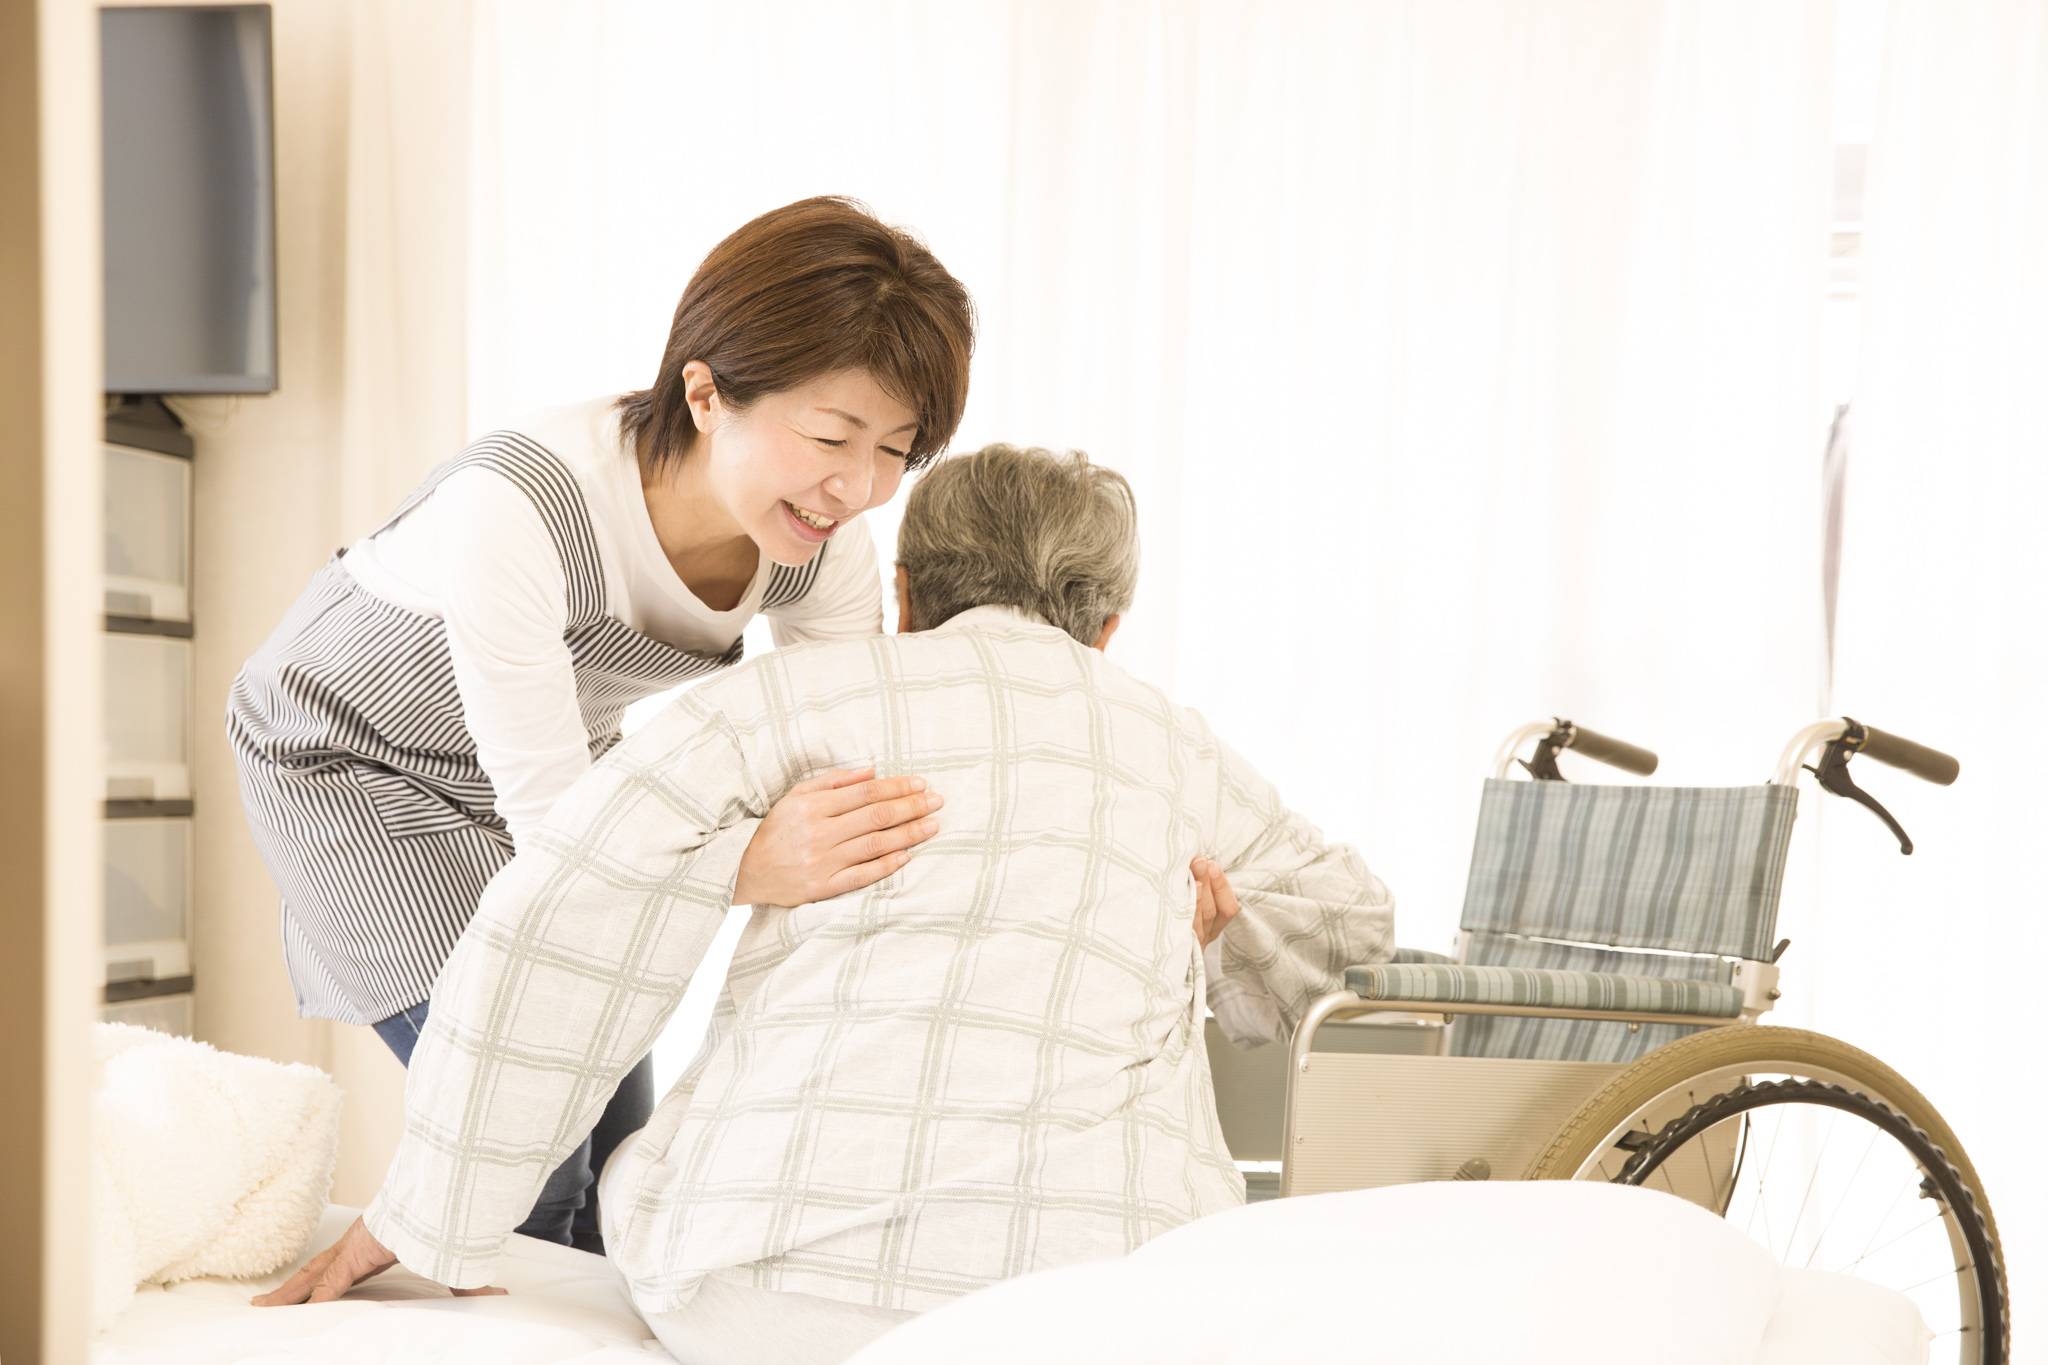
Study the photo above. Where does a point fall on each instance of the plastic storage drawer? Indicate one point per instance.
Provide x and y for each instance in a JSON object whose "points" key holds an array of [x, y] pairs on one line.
{"points": [[148, 898], [148, 718], [149, 534], [165, 1013]]}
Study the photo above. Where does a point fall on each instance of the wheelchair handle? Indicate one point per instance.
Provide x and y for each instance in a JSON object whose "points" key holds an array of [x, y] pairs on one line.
{"points": [[1558, 734], [1899, 752], [1615, 753]]}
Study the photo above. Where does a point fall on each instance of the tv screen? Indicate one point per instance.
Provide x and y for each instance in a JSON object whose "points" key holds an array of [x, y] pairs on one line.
{"points": [[191, 275]]}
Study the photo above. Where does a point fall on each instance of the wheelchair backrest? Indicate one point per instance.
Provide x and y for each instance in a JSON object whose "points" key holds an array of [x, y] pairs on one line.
{"points": [[1565, 875]]}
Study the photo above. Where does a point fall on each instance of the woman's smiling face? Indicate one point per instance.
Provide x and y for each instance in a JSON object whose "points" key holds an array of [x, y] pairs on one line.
{"points": [[800, 463]]}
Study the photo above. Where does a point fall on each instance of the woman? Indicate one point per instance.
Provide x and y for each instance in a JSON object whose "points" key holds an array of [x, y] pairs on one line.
{"points": [[439, 684]]}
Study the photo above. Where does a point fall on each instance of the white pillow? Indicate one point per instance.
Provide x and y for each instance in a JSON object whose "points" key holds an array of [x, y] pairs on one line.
{"points": [[1549, 1273], [203, 1162]]}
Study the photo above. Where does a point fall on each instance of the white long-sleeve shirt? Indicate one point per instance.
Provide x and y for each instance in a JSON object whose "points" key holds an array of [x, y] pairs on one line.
{"points": [[477, 555], [988, 1063]]}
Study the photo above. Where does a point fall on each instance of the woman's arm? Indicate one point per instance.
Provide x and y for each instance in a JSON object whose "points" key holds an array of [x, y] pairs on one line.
{"points": [[504, 602]]}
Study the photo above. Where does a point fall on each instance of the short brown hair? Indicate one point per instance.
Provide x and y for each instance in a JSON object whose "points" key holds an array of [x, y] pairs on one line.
{"points": [[804, 291]]}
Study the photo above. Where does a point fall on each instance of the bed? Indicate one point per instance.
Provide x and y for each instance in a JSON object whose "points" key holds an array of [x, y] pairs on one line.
{"points": [[1409, 1275], [563, 1306]]}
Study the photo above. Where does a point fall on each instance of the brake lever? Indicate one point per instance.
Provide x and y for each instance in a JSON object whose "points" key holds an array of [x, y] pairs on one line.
{"points": [[1542, 765], [1833, 776]]}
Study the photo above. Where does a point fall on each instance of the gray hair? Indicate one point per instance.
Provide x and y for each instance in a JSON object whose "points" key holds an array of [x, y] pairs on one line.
{"points": [[1013, 527]]}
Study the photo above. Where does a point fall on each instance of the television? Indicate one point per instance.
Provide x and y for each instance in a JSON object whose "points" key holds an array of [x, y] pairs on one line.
{"points": [[190, 234]]}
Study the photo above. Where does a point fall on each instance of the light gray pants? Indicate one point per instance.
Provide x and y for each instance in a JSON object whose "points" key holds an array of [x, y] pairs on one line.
{"points": [[733, 1325]]}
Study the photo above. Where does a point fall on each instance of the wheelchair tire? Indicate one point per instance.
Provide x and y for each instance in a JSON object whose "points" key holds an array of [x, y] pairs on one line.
{"points": [[1712, 1071]]}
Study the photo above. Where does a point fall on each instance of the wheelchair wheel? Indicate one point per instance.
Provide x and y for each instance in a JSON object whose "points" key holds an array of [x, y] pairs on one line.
{"points": [[1820, 1152]]}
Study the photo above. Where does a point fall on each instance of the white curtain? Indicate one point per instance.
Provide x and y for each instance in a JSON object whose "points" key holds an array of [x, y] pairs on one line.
{"points": [[1463, 355], [1932, 962]]}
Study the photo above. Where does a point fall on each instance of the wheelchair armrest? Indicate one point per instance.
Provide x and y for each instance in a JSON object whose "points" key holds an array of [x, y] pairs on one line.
{"points": [[1452, 984], [1412, 956]]}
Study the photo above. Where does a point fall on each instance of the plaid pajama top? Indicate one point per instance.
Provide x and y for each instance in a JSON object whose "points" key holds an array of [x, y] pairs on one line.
{"points": [[988, 1063]]}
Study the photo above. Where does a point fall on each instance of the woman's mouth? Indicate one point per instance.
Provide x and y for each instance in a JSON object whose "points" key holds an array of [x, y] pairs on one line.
{"points": [[809, 525]]}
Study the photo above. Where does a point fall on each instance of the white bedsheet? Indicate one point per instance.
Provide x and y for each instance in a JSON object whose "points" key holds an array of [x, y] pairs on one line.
{"points": [[563, 1306], [1413, 1275]]}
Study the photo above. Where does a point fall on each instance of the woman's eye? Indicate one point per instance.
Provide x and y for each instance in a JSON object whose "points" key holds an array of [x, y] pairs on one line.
{"points": [[899, 454], [825, 442]]}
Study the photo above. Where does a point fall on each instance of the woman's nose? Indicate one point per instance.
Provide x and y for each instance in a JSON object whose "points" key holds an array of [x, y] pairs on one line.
{"points": [[852, 486]]}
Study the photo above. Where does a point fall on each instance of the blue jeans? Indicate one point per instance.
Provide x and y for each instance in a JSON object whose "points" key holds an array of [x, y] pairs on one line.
{"points": [[566, 1211]]}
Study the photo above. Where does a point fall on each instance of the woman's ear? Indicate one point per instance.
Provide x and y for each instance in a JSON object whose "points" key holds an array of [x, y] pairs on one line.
{"points": [[903, 626], [700, 391], [1108, 629]]}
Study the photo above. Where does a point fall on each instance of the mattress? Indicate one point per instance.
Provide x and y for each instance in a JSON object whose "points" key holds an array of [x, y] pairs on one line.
{"points": [[1448, 1274], [562, 1306]]}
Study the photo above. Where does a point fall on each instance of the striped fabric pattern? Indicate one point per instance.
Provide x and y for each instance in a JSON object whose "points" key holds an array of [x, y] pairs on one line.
{"points": [[1580, 1040], [1453, 984], [360, 779], [988, 1063], [1689, 877], [1691, 869]]}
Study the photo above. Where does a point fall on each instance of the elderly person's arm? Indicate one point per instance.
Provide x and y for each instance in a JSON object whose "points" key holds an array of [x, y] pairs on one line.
{"points": [[1307, 910], [579, 952]]}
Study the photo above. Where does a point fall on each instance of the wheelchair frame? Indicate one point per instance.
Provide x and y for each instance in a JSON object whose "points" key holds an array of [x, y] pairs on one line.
{"points": [[1646, 1099]]}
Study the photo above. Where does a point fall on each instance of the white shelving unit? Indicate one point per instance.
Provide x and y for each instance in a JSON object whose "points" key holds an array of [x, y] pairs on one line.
{"points": [[147, 888]]}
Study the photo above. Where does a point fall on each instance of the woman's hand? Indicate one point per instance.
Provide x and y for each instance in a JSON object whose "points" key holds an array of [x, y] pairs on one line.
{"points": [[836, 833], [1215, 902], [356, 1257]]}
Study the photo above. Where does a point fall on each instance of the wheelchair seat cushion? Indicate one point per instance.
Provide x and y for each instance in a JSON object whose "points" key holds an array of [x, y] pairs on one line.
{"points": [[1436, 982]]}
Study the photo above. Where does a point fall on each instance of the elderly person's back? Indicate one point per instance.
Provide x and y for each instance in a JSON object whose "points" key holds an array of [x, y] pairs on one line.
{"points": [[989, 1062]]}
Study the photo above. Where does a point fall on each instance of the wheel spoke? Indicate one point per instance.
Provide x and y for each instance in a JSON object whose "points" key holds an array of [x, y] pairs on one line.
{"points": [[1959, 1270], [1792, 1237], [1898, 1239], [1882, 1223], [1847, 1186], [1662, 1173], [1770, 1155]]}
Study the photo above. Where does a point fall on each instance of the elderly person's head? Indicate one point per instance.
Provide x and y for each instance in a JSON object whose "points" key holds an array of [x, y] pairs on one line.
{"points": [[1053, 535]]}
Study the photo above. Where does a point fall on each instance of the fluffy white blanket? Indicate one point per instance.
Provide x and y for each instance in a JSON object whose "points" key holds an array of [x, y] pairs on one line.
{"points": [[1451, 1273], [204, 1163]]}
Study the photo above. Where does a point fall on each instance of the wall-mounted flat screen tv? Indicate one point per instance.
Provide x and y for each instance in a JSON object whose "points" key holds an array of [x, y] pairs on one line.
{"points": [[191, 252]]}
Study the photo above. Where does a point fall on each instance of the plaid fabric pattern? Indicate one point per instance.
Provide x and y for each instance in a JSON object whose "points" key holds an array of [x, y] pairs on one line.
{"points": [[1692, 869], [1534, 986], [986, 1064], [1573, 1040]]}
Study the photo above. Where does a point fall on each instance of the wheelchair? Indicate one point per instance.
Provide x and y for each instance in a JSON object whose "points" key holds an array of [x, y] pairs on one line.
{"points": [[1601, 1021]]}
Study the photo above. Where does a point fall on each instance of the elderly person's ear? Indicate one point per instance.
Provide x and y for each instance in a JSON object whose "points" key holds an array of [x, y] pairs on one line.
{"points": [[1108, 629], [903, 626]]}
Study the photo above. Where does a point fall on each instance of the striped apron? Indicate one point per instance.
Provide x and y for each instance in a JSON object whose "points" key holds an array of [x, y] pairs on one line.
{"points": [[361, 782]]}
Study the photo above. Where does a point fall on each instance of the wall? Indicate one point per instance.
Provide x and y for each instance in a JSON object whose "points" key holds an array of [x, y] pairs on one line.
{"points": [[264, 518], [372, 142], [49, 662]]}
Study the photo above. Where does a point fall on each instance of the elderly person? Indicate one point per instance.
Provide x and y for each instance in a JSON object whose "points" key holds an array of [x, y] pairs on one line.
{"points": [[989, 1062]]}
